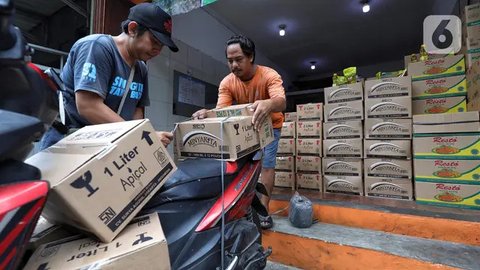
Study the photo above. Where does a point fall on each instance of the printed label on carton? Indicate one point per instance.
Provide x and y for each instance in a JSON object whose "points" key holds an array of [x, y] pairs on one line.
{"points": [[343, 130], [440, 87], [398, 107], [343, 148], [394, 188], [388, 149], [448, 194], [388, 128], [288, 130], [450, 65], [285, 179], [312, 111], [309, 147], [309, 164], [433, 170], [286, 146], [344, 93], [440, 105], [309, 181], [309, 129], [396, 168], [447, 146], [343, 184], [345, 167], [285, 163], [388, 87], [344, 111]]}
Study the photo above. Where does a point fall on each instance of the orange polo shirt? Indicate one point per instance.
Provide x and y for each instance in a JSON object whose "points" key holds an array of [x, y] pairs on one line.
{"points": [[265, 84]]}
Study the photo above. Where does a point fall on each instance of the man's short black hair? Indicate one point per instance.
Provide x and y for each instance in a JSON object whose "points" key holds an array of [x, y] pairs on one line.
{"points": [[140, 30], [246, 44]]}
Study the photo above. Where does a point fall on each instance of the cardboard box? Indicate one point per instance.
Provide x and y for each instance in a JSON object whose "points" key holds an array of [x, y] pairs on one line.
{"points": [[453, 104], [344, 93], [344, 111], [448, 194], [46, 232], [234, 110], [343, 166], [388, 149], [472, 13], [343, 184], [309, 147], [311, 129], [461, 170], [286, 147], [473, 82], [203, 138], [440, 87], [309, 181], [407, 58], [285, 179], [388, 87], [310, 111], [448, 146], [397, 107], [471, 59], [285, 163], [290, 116], [392, 188], [390, 168], [86, 168], [450, 65], [142, 245], [343, 148], [378, 128], [343, 130], [289, 130], [309, 164], [446, 123]]}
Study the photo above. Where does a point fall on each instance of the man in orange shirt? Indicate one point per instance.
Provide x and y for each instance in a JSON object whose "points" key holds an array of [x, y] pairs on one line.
{"points": [[262, 86]]}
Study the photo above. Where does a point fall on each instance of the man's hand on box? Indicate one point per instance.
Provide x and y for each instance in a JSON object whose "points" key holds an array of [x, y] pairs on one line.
{"points": [[200, 114], [165, 137], [262, 110]]}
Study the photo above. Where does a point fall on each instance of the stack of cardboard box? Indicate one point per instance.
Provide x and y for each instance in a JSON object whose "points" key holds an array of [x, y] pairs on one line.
{"points": [[439, 85], [387, 144], [84, 170], [309, 146], [285, 163], [447, 159], [343, 134]]}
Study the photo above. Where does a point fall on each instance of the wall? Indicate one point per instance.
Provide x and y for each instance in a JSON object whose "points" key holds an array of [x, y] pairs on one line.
{"points": [[187, 60]]}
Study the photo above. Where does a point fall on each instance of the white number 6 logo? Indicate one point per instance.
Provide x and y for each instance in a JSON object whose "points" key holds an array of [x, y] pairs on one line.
{"points": [[442, 34]]}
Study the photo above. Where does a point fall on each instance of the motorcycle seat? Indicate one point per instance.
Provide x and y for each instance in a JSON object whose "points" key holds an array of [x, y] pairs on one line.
{"points": [[197, 179]]}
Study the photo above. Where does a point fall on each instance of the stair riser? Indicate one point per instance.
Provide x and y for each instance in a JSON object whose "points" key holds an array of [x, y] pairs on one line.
{"points": [[463, 232], [307, 253]]}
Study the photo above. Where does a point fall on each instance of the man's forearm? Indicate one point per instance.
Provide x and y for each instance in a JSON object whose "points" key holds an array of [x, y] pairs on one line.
{"points": [[100, 114], [278, 104]]}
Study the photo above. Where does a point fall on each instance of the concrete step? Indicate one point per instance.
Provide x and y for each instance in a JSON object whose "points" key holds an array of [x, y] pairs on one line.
{"points": [[278, 266], [328, 246], [393, 216]]}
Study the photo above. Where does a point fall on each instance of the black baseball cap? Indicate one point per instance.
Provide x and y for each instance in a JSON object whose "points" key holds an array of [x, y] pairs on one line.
{"points": [[156, 20]]}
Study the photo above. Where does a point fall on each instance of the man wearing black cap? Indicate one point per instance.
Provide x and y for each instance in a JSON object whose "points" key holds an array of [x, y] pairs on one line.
{"points": [[100, 67]]}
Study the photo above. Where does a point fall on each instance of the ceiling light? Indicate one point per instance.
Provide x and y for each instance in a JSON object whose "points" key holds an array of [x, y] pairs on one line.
{"points": [[312, 67], [366, 7], [282, 32]]}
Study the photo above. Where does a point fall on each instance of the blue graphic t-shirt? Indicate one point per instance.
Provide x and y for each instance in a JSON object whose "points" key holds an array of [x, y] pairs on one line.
{"points": [[94, 64]]}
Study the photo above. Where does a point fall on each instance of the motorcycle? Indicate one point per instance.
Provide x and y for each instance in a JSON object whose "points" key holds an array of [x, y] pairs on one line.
{"points": [[27, 107], [208, 208], [199, 223]]}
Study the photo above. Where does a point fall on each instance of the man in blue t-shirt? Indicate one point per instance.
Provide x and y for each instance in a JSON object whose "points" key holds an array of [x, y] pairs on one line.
{"points": [[98, 69]]}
